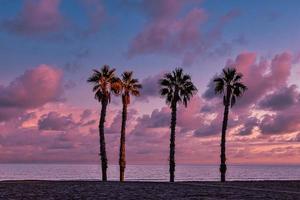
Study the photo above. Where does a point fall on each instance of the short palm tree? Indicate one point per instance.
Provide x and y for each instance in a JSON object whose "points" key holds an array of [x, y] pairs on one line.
{"points": [[130, 87], [104, 83], [229, 84], [176, 87]]}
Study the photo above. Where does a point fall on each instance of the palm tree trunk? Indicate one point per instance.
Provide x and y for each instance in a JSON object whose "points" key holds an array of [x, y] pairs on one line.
{"points": [[223, 167], [122, 160], [172, 143], [103, 156]]}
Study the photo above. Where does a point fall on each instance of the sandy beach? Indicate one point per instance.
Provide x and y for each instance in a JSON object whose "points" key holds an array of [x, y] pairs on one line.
{"points": [[149, 190]]}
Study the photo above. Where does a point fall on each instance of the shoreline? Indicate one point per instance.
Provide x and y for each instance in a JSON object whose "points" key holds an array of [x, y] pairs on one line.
{"points": [[147, 181], [93, 189]]}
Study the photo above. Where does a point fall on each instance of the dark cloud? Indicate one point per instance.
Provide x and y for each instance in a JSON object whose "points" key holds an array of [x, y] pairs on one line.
{"points": [[208, 130], [210, 91], [85, 114], [55, 122], [150, 87], [281, 123], [115, 126], [248, 126], [281, 98], [208, 108], [214, 127]]}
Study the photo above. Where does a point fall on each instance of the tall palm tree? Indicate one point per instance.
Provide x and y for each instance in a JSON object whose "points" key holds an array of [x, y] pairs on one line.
{"points": [[229, 84], [176, 87], [104, 83], [130, 86]]}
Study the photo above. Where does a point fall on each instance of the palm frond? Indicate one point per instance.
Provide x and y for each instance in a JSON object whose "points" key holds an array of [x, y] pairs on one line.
{"points": [[229, 84], [98, 95], [219, 85], [164, 91], [135, 92], [129, 86], [238, 77], [94, 78], [177, 87], [104, 81], [165, 82], [137, 86]]}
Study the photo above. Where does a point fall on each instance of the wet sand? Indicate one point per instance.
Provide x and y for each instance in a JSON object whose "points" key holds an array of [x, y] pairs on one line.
{"points": [[149, 190]]}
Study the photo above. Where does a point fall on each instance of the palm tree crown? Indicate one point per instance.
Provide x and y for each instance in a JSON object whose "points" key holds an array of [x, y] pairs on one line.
{"points": [[105, 82], [229, 84], [130, 86], [177, 87]]}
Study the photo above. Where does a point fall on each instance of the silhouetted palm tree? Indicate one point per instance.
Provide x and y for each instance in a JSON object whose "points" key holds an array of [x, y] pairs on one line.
{"points": [[176, 87], [105, 82], [229, 84], [130, 86]]}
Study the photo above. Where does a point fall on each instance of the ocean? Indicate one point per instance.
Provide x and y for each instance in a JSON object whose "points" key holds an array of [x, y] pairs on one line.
{"points": [[147, 172]]}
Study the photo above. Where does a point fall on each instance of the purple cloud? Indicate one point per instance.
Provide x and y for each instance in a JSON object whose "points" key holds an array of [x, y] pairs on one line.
{"points": [[36, 17], [150, 87], [33, 89], [53, 121], [281, 98]]}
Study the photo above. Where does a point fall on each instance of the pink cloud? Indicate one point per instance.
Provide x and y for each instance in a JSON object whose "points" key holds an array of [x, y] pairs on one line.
{"points": [[268, 89], [169, 31], [261, 76], [33, 89], [168, 34], [147, 139], [264, 81], [31, 145], [85, 114], [190, 116], [51, 137], [63, 133], [44, 18], [37, 17]]}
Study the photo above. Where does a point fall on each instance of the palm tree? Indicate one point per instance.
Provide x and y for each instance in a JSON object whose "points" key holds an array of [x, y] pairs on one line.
{"points": [[176, 87], [130, 86], [229, 84], [104, 83]]}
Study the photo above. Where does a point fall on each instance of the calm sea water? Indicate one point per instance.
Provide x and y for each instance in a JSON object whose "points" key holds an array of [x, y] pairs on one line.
{"points": [[146, 172]]}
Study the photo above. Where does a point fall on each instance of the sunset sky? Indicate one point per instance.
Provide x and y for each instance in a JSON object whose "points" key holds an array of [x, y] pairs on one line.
{"points": [[48, 49]]}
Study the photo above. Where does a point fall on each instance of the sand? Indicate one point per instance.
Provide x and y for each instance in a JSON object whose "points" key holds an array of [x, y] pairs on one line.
{"points": [[149, 190]]}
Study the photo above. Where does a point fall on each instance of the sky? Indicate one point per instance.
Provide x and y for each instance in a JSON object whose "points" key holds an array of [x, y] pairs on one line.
{"points": [[48, 49]]}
